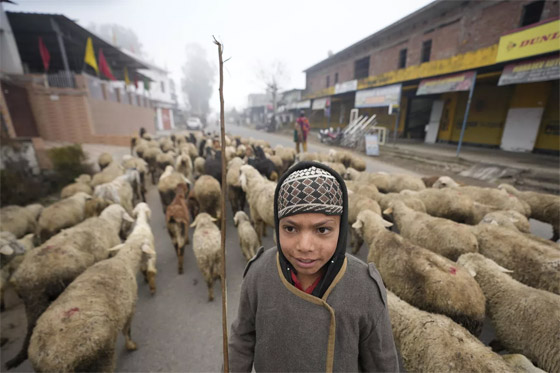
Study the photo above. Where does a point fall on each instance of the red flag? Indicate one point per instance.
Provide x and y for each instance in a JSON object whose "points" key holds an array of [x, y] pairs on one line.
{"points": [[104, 66], [45, 55]]}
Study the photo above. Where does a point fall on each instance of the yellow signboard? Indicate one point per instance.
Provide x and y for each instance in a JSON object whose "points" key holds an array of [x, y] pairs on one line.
{"points": [[540, 39]]}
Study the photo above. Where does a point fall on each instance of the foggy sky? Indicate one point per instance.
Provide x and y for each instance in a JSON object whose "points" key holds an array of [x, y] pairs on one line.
{"points": [[299, 33]]}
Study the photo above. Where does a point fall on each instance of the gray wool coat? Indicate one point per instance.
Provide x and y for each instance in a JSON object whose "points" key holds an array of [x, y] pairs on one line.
{"points": [[281, 328]]}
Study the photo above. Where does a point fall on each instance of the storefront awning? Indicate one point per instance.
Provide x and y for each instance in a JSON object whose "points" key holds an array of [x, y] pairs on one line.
{"points": [[303, 104], [320, 103], [378, 97], [537, 70], [449, 83]]}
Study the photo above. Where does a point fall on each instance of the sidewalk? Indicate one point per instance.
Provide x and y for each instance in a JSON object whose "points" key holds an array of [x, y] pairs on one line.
{"points": [[525, 170]]}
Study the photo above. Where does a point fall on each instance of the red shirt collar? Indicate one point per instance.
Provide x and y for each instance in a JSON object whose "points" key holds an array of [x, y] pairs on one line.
{"points": [[297, 284]]}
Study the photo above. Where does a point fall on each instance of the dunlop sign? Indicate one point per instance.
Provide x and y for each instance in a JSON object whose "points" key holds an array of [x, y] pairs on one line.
{"points": [[540, 39]]}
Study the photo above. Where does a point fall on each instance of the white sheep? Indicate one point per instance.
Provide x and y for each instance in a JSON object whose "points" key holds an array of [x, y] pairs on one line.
{"points": [[448, 203], [105, 294], [207, 193], [207, 249], [81, 184], [526, 320], [183, 164], [20, 220], [198, 166], [386, 183], [544, 207], [167, 185], [421, 277], [129, 162], [532, 263], [356, 204], [108, 174], [444, 182], [104, 160], [430, 342], [439, 235], [260, 195], [119, 190], [61, 214], [248, 239], [47, 270], [509, 219], [499, 199]]}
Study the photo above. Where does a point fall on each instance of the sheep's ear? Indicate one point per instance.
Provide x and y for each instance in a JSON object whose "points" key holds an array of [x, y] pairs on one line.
{"points": [[116, 248], [358, 224], [213, 218], [494, 222], [388, 211], [386, 224], [6, 250], [514, 220], [471, 271], [148, 249], [193, 224], [502, 269], [235, 221], [127, 217]]}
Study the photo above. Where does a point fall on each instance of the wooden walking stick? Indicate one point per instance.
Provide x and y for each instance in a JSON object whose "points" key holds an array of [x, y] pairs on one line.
{"points": [[223, 220]]}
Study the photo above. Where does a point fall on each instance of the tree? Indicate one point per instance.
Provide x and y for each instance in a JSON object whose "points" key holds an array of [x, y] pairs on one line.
{"points": [[119, 36], [199, 76], [273, 78]]}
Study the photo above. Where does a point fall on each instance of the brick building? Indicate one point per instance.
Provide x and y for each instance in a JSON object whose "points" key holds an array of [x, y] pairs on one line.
{"points": [[63, 101], [426, 64]]}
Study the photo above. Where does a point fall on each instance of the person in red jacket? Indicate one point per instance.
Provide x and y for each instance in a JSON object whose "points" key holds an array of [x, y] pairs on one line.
{"points": [[303, 124]]}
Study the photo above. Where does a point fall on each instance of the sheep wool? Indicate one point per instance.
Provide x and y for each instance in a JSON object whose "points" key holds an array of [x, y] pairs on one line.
{"points": [[78, 332], [526, 320], [439, 235], [248, 239], [260, 195], [62, 214], [207, 249], [20, 220], [421, 277], [532, 263], [434, 343], [47, 270]]}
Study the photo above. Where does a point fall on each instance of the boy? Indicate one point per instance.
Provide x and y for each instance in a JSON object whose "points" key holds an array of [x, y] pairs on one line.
{"points": [[306, 305]]}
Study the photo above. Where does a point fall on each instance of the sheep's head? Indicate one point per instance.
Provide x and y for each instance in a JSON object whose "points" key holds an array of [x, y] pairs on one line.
{"points": [[508, 188], [239, 217], [474, 262], [142, 208], [445, 182], [367, 218], [351, 174], [202, 219]]}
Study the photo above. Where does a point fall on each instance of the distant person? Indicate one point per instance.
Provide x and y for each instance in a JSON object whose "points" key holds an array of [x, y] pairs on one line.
{"points": [[142, 132], [304, 126], [306, 305]]}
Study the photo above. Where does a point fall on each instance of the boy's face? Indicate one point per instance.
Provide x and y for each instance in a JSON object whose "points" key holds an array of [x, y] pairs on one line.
{"points": [[308, 241]]}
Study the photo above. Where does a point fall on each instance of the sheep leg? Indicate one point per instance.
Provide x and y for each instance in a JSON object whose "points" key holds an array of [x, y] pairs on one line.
{"points": [[34, 307], [210, 285], [104, 362], [130, 344], [151, 278], [556, 234], [180, 251]]}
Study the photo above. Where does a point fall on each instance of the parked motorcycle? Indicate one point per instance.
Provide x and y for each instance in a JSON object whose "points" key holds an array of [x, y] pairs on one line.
{"points": [[330, 136]]}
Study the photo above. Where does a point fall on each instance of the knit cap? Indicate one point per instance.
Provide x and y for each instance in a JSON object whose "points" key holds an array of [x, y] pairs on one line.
{"points": [[310, 190]]}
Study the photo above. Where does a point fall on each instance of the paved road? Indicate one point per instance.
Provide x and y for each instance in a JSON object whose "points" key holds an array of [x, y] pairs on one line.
{"points": [[178, 330]]}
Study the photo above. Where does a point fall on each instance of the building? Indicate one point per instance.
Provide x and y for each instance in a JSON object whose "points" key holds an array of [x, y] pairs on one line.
{"points": [[421, 71], [47, 92]]}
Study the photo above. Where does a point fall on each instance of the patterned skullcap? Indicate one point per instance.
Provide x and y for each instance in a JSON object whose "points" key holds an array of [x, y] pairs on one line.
{"points": [[310, 190]]}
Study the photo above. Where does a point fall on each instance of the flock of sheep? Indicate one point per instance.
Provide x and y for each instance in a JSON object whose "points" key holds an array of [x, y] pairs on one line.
{"points": [[455, 256]]}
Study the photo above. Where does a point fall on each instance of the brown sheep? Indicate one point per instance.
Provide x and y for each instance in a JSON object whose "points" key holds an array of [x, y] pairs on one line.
{"points": [[177, 222]]}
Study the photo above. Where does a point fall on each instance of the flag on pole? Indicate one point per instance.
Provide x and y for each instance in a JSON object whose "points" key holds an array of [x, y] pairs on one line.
{"points": [[104, 66], [45, 55], [90, 56], [126, 79], [146, 84]]}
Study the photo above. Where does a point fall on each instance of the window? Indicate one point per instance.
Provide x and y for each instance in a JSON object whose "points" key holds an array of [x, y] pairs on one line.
{"points": [[361, 68], [328, 81], [335, 78], [426, 51], [402, 59], [162, 87], [531, 13]]}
